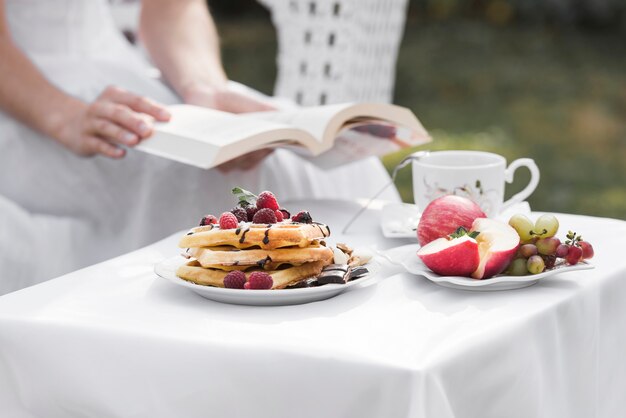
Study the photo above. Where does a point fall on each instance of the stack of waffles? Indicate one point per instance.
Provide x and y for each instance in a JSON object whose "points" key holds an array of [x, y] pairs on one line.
{"points": [[290, 252]]}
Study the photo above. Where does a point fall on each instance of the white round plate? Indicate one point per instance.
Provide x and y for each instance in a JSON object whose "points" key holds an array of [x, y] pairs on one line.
{"points": [[406, 256], [167, 270]]}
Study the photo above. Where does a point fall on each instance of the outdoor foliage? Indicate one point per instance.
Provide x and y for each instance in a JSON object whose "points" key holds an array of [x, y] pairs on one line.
{"points": [[556, 94]]}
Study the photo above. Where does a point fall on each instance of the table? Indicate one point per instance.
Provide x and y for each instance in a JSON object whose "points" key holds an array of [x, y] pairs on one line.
{"points": [[113, 340]]}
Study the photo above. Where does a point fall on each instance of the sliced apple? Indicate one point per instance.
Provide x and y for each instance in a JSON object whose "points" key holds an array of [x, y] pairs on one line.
{"points": [[451, 257], [497, 245]]}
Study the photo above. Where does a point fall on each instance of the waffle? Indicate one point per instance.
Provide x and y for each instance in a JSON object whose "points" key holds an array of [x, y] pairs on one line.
{"points": [[192, 272], [267, 237], [218, 257]]}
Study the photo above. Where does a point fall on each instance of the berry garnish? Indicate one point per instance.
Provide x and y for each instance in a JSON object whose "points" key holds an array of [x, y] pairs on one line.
{"points": [[286, 214], [303, 217], [240, 214], [279, 216], [259, 280], [267, 200], [235, 280], [264, 216], [207, 220], [228, 221], [250, 211]]}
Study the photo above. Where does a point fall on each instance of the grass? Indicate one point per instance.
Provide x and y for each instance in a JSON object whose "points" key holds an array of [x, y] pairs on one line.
{"points": [[557, 96]]}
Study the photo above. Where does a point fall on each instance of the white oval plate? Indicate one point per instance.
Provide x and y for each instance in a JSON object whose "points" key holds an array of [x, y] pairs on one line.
{"points": [[167, 270], [406, 256]]}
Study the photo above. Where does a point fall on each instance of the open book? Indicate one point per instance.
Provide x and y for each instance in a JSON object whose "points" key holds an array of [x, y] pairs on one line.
{"points": [[329, 135]]}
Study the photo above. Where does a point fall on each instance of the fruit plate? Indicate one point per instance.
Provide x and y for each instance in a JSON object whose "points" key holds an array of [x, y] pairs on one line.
{"points": [[406, 257], [167, 270]]}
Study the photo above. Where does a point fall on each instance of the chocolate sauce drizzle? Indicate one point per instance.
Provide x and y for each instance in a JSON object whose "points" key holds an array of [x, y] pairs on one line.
{"points": [[243, 236], [261, 263], [319, 225], [266, 238]]}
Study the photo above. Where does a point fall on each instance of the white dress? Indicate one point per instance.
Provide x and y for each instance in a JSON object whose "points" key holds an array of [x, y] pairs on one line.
{"points": [[60, 212]]}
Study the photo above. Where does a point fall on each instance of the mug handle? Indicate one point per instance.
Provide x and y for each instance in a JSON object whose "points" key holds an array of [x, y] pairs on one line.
{"points": [[532, 185]]}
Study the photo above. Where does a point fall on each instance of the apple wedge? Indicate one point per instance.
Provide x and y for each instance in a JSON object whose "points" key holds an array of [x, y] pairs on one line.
{"points": [[451, 257], [497, 245]]}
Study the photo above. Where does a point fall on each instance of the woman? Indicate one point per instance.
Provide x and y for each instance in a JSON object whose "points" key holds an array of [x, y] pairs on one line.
{"points": [[71, 87]]}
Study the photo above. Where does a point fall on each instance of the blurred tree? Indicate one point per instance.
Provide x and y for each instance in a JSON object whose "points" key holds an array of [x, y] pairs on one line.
{"points": [[237, 8], [598, 14]]}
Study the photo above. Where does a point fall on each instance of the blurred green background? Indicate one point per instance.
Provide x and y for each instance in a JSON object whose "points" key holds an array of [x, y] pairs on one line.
{"points": [[538, 79]]}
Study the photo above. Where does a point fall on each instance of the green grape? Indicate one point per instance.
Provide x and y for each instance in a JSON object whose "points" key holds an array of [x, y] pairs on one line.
{"points": [[518, 267], [523, 226], [535, 264], [548, 246], [546, 226]]}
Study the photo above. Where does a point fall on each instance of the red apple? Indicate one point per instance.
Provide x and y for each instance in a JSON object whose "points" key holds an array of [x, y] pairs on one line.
{"points": [[497, 245], [444, 215], [451, 257]]}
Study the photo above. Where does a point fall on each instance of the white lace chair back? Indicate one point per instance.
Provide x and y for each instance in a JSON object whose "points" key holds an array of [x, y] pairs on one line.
{"points": [[333, 51]]}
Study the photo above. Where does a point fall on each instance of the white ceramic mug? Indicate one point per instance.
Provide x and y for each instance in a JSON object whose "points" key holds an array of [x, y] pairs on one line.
{"points": [[480, 176]]}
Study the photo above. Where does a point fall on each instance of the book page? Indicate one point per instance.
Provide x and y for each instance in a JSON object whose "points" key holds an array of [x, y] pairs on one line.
{"points": [[205, 137], [212, 126], [314, 120]]}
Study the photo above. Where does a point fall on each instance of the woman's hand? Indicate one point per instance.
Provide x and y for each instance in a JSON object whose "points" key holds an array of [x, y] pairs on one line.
{"points": [[116, 118], [226, 99]]}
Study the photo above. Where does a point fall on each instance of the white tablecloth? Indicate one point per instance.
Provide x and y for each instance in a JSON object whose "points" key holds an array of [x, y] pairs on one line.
{"points": [[113, 340]]}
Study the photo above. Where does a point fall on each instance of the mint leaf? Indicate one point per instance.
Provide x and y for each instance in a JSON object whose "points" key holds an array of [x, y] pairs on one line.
{"points": [[474, 234], [244, 197], [461, 231]]}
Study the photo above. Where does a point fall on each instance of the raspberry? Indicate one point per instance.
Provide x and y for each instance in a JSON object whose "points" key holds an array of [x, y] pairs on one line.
{"points": [[259, 280], [267, 200], [235, 280], [264, 216], [240, 214], [303, 217], [279, 216], [251, 210], [208, 219], [228, 221]]}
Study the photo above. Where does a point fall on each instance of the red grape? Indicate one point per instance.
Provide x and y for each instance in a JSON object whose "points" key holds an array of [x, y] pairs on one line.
{"points": [[527, 250], [549, 260], [587, 249], [562, 250], [574, 255]]}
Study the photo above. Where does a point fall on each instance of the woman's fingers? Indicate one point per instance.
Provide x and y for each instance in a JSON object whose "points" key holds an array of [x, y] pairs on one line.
{"points": [[95, 145], [113, 132], [137, 103], [123, 116], [235, 102]]}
